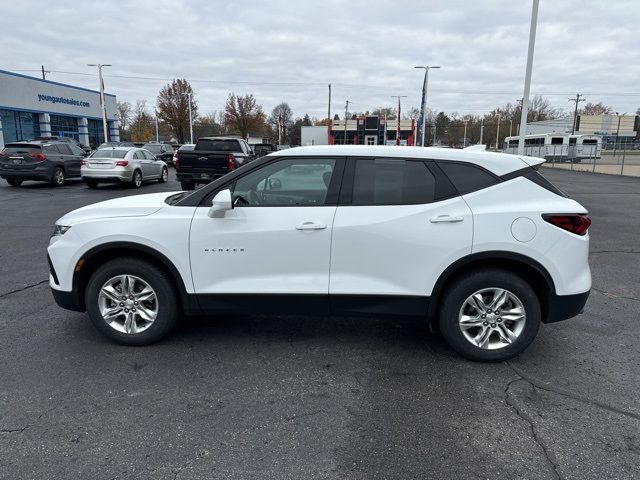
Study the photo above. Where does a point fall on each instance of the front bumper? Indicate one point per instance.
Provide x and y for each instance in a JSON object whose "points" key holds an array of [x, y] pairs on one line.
{"points": [[563, 307], [68, 300]]}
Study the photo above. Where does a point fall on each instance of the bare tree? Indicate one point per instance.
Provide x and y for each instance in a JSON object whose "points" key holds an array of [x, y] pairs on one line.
{"points": [[142, 126], [595, 109], [207, 125], [243, 115], [281, 118], [173, 107], [124, 114]]}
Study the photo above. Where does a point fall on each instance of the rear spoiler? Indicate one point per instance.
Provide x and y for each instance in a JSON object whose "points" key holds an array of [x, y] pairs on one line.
{"points": [[533, 162]]}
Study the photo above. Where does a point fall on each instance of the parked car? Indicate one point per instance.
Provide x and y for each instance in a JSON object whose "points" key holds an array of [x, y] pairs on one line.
{"points": [[185, 147], [50, 161], [129, 165], [357, 229], [262, 149], [211, 158], [72, 140], [162, 151]]}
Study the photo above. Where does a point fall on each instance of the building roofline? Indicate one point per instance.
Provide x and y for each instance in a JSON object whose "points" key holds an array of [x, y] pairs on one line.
{"points": [[51, 82]]}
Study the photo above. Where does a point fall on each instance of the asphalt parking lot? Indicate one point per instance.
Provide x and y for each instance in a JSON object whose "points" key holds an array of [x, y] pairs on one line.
{"points": [[282, 397]]}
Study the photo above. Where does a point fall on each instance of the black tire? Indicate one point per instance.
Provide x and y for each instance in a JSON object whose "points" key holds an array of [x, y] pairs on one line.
{"points": [[467, 285], [164, 176], [58, 178], [92, 183], [136, 179], [161, 282], [187, 185], [14, 182]]}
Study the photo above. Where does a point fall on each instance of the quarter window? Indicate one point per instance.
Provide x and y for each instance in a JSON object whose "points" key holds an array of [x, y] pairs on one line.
{"points": [[391, 181], [466, 177], [288, 182]]}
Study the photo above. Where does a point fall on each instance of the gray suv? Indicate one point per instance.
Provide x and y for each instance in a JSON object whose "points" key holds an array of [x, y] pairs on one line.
{"points": [[45, 160]]}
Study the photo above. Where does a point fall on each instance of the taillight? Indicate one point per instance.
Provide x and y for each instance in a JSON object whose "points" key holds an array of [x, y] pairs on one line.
{"points": [[231, 162], [83, 162], [574, 223], [177, 162], [41, 157], [122, 163]]}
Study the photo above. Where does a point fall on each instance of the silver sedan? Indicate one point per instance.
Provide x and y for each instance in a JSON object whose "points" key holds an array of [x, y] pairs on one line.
{"points": [[129, 165]]}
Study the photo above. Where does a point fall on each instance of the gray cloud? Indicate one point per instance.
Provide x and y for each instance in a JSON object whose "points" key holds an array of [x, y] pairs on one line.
{"points": [[366, 49]]}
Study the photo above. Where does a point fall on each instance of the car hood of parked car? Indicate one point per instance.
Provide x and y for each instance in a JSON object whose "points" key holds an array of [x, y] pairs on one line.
{"points": [[130, 206]]}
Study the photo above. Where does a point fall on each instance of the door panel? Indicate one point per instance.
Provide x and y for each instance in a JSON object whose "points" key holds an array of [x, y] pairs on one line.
{"points": [[397, 249], [262, 250]]}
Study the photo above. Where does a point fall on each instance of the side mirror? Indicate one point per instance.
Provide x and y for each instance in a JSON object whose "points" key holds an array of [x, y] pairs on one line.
{"points": [[220, 204]]}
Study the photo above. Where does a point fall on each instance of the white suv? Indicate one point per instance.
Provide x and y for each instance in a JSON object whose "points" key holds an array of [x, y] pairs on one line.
{"points": [[478, 243]]}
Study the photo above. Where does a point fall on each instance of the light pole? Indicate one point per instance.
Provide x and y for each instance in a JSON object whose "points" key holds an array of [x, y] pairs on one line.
{"points": [[497, 132], [190, 120], [398, 126], [481, 130], [346, 112], [157, 133], [464, 137], [102, 102], [423, 107], [615, 145], [527, 76]]}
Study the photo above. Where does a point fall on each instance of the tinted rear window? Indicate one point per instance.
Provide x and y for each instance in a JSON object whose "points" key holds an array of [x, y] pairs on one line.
{"points": [[109, 153], [392, 182], [468, 178], [17, 148], [221, 145]]}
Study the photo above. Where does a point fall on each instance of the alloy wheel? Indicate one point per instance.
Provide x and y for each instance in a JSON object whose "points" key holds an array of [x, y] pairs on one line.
{"points": [[128, 304], [492, 318]]}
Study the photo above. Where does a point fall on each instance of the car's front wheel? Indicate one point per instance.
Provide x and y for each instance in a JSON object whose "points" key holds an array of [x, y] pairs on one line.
{"points": [[489, 315], [131, 301]]}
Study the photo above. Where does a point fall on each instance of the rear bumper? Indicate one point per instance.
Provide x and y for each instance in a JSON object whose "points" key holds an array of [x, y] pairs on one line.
{"points": [[563, 307], [40, 174], [200, 177], [104, 175]]}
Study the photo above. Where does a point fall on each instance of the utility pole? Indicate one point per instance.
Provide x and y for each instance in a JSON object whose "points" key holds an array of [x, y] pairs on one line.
{"points": [[157, 132], [346, 112], [481, 130], [575, 111], [398, 126], [497, 132], [423, 106], [527, 76], [102, 102], [615, 145], [329, 107], [44, 72], [464, 137], [510, 126], [190, 120]]}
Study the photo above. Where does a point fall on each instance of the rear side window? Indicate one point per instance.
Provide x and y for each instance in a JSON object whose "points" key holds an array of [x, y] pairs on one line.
{"points": [[392, 182], [64, 149], [468, 178], [536, 177]]}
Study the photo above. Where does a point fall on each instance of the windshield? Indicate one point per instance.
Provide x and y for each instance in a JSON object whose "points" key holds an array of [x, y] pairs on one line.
{"points": [[109, 153]]}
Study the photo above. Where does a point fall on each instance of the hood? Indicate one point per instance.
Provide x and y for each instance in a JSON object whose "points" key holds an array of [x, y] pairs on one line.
{"points": [[131, 206]]}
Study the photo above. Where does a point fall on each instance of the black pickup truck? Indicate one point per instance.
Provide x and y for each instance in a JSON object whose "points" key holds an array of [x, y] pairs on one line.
{"points": [[211, 158]]}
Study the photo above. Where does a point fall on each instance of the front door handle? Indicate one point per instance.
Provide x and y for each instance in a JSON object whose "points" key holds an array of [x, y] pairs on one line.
{"points": [[311, 226], [446, 219]]}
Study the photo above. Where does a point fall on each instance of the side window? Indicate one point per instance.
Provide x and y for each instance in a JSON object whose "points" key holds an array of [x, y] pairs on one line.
{"points": [[287, 182], [64, 149], [392, 182], [466, 177], [138, 156], [50, 149], [147, 155]]}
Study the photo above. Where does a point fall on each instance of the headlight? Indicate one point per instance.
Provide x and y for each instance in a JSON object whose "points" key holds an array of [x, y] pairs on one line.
{"points": [[60, 230]]}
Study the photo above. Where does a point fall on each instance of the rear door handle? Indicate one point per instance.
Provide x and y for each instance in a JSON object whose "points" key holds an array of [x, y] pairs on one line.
{"points": [[311, 226], [446, 219]]}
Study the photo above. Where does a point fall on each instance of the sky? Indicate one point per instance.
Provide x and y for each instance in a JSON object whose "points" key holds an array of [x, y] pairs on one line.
{"points": [[291, 50]]}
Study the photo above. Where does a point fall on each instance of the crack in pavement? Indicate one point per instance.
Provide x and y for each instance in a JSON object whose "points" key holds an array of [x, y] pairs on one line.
{"points": [[613, 295], [574, 396], [524, 416], [22, 429], [23, 288], [177, 470]]}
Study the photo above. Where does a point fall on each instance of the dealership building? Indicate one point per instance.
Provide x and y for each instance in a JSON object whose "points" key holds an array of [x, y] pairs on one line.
{"points": [[31, 107]]}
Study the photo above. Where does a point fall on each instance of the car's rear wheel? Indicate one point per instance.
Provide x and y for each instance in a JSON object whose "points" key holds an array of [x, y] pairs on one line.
{"points": [[489, 315], [14, 182], [91, 183], [58, 177], [187, 185], [164, 176], [131, 301], [136, 179]]}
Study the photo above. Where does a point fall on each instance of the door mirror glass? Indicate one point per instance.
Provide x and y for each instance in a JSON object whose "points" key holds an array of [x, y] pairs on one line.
{"points": [[220, 204]]}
